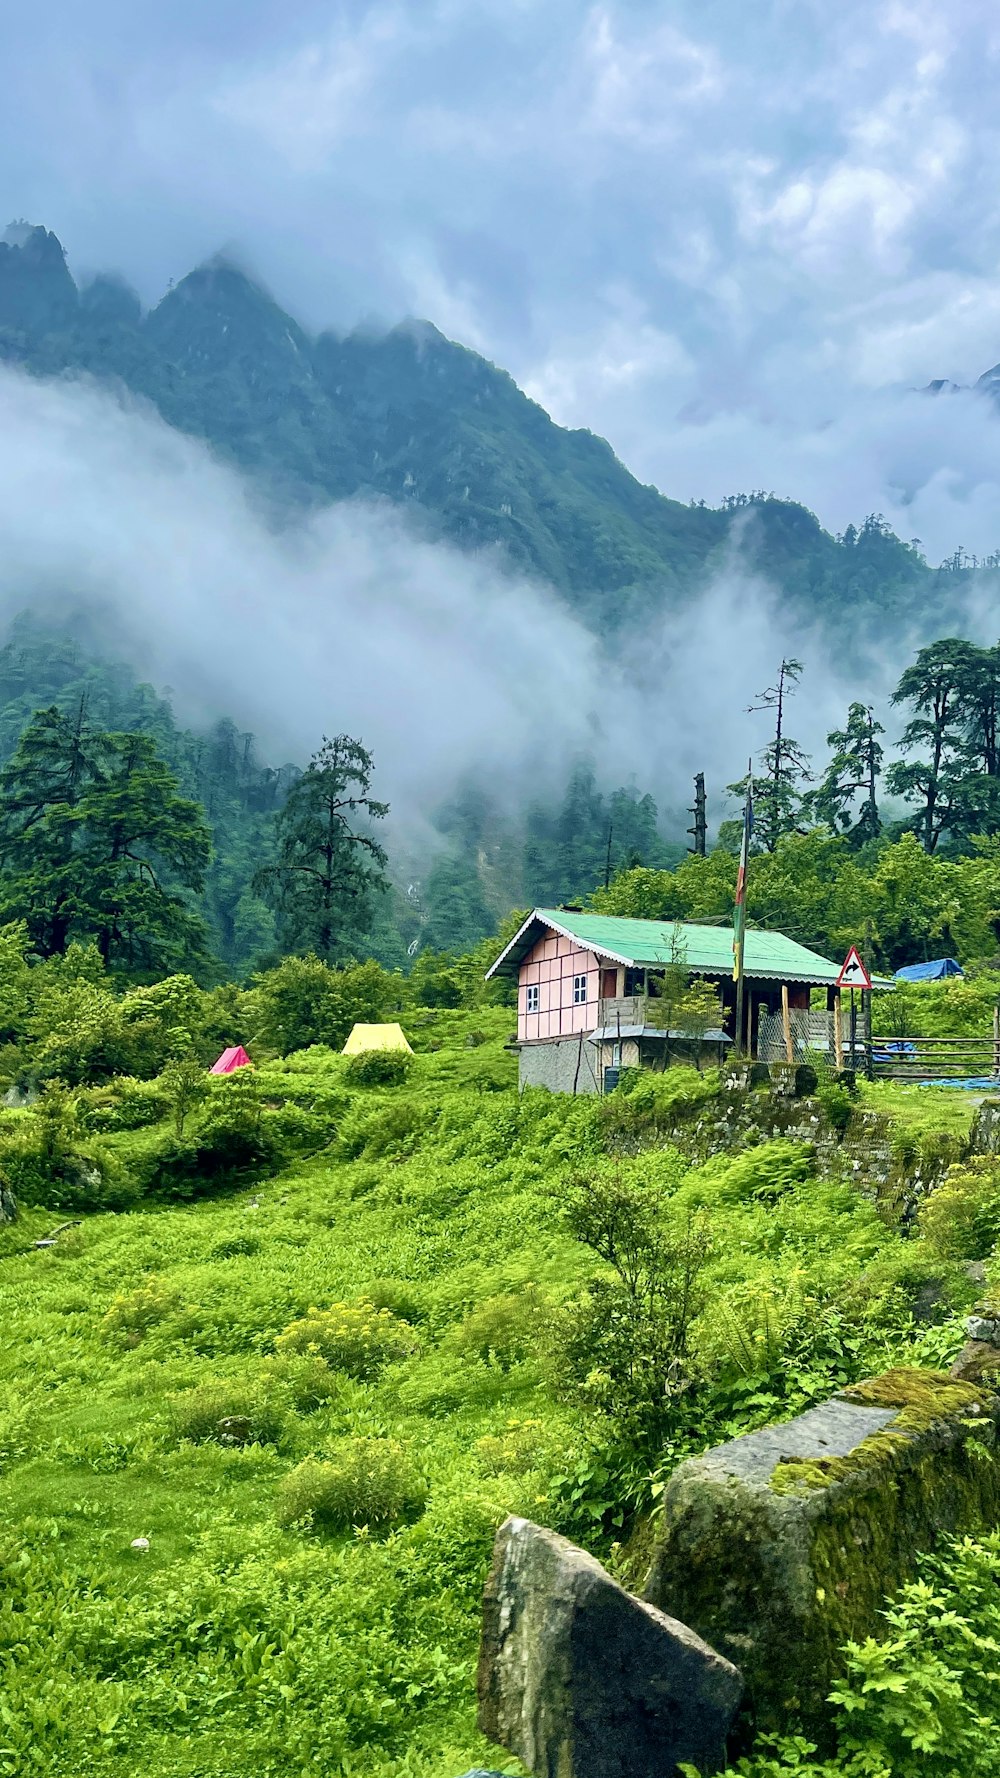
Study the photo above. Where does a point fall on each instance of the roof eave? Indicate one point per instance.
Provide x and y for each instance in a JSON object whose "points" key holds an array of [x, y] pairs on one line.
{"points": [[564, 932]]}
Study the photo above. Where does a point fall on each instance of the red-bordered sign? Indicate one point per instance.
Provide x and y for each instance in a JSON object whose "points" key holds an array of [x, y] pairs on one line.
{"points": [[854, 974]]}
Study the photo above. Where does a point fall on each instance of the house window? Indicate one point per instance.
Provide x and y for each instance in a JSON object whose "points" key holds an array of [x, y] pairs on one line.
{"points": [[579, 989], [531, 997]]}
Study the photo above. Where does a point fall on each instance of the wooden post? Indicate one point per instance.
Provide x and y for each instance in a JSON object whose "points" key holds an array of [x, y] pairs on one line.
{"points": [[996, 1039], [786, 1020], [838, 1034], [866, 1002]]}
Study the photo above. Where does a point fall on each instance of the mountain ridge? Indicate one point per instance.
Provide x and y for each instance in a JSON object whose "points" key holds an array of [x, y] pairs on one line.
{"points": [[414, 417]]}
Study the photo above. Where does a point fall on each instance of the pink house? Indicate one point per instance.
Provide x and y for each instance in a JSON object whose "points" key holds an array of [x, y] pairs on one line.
{"points": [[590, 992]]}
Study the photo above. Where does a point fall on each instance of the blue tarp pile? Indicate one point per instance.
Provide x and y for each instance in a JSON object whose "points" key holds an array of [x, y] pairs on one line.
{"points": [[929, 972]]}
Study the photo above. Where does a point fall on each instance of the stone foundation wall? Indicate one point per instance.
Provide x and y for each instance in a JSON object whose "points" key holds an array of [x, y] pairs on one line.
{"points": [[560, 1063]]}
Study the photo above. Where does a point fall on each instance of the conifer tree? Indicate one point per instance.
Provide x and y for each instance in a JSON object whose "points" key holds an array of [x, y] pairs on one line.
{"points": [[328, 866], [97, 845], [853, 771]]}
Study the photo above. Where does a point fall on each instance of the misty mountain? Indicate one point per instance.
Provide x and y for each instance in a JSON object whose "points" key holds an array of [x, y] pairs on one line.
{"points": [[411, 417]]}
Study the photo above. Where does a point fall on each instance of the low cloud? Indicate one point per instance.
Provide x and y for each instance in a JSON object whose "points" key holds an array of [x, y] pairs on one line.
{"points": [[445, 664]]}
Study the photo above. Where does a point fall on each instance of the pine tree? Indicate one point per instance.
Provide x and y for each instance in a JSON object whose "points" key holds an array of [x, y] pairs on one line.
{"points": [[97, 845], [322, 884], [778, 789], [939, 686], [853, 771]]}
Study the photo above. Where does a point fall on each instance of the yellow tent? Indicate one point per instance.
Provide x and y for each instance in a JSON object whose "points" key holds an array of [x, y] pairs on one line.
{"points": [[375, 1037]]}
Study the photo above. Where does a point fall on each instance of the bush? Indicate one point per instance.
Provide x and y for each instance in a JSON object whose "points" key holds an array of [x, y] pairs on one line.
{"points": [[369, 1481], [237, 1247], [125, 1104], [379, 1068], [506, 1329], [227, 1413], [961, 1218], [304, 1379], [352, 1337], [233, 1140], [133, 1314], [517, 1448], [393, 1130], [45, 1158]]}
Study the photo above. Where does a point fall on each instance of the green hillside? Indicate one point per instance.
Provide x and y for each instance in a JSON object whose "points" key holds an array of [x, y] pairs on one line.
{"points": [[315, 1330], [411, 416]]}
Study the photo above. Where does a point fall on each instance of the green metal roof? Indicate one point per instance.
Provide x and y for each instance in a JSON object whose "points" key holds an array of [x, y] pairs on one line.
{"points": [[708, 950]]}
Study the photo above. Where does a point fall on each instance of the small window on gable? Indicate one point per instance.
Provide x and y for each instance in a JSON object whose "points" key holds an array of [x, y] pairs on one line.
{"points": [[579, 989], [531, 997]]}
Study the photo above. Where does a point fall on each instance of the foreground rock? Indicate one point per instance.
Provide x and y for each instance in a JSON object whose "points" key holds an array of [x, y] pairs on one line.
{"points": [[581, 1680], [782, 1545]]}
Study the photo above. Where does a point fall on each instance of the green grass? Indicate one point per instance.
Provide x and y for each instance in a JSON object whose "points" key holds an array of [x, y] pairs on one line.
{"points": [[922, 1110], [238, 1647]]}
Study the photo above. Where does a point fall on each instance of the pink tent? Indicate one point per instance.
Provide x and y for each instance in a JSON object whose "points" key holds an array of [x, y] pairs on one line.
{"points": [[230, 1060]]}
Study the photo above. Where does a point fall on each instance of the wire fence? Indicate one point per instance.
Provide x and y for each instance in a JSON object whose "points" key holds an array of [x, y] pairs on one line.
{"points": [[793, 1036]]}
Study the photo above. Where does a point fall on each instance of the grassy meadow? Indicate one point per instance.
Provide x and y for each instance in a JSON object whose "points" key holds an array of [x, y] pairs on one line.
{"points": [[316, 1394]]}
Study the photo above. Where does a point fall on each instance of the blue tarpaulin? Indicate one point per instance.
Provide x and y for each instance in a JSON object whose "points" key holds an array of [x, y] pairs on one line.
{"points": [[929, 972]]}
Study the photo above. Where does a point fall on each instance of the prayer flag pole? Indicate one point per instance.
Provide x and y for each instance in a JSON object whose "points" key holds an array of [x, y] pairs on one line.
{"points": [[740, 912]]}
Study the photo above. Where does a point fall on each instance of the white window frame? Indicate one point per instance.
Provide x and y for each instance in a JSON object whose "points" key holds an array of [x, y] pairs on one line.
{"points": [[580, 990], [532, 997]]}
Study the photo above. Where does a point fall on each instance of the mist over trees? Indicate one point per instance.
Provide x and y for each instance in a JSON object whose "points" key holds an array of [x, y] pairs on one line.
{"points": [[167, 848]]}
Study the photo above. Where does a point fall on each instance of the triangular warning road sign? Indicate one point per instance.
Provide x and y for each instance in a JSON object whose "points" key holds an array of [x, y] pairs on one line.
{"points": [[854, 974]]}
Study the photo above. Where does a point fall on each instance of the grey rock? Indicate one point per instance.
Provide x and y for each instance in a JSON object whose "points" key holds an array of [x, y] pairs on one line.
{"points": [[235, 1429], [834, 1429], [986, 1329], [777, 1571], [581, 1680]]}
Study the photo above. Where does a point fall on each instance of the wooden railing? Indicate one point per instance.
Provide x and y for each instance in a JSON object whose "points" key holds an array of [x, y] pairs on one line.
{"points": [[936, 1058]]}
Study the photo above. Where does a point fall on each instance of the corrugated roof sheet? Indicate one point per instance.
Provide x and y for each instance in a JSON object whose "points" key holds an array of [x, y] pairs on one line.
{"points": [[611, 1034], [708, 950]]}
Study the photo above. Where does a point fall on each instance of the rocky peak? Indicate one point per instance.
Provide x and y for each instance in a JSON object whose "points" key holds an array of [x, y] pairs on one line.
{"points": [[37, 293]]}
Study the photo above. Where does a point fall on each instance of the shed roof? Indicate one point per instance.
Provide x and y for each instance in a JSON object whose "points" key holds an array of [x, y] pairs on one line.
{"points": [[708, 950], [375, 1037]]}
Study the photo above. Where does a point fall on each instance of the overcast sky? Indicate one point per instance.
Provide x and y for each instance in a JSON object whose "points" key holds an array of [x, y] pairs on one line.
{"points": [[727, 236]]}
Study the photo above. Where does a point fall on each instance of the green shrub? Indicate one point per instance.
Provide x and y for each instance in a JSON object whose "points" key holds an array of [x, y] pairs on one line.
{"points": [[401, 1298], [304, 1379], [505, 1329], [517, 1448], [837, 1103], [354, 1337], [135, 1312], [236, 1247], [392, 1130], [46, 1158], [226, 1413], [369, 1481], [378, 1068], [295, 1129], [961, 1217], [125, 1104]]}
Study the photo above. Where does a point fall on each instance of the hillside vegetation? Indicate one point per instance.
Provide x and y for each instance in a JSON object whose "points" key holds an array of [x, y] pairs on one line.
{"points": [[411, 416], [313, 1330]]}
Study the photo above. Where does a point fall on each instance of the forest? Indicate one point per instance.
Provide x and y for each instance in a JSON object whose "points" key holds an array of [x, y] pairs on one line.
{"points": [[168, 848]]}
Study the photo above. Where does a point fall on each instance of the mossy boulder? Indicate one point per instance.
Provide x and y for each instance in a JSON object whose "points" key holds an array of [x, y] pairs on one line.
{"points": [[780, 1546]]}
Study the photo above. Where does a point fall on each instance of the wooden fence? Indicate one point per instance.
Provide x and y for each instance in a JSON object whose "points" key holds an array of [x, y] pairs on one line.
{"points": [[935, 1058], [793, 1036]]}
